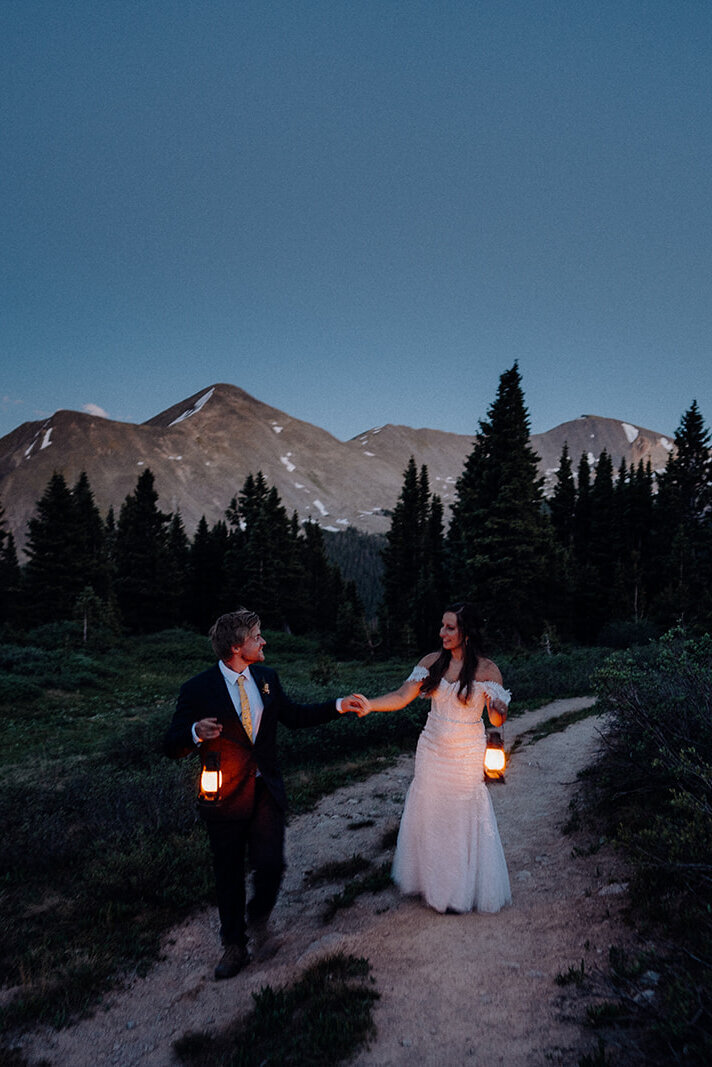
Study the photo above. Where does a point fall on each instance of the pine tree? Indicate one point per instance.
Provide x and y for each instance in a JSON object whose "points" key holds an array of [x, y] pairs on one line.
{"points": [[603, 549], [582, 512], [141, 554], [53, 577], [413, 566], [321, 588], [261, 562], [10, 575], [91, 554], [177, 572], [502, 546], [634, 511], [683, 526], [562, 505], [206, 575], [562, 508]]}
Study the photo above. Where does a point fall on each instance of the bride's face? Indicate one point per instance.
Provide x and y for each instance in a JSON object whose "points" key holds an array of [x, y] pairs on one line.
{"points": [[450, 632]]}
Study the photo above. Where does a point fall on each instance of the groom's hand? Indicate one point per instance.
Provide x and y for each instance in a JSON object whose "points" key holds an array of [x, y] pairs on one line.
{"points": [[208, 729]]}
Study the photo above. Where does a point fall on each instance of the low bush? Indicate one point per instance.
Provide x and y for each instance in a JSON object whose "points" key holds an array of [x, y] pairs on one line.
{"points": [[652, 793]]}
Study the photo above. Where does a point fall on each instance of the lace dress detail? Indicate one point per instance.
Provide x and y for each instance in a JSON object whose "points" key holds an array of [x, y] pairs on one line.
{"points": [[449, 849]]}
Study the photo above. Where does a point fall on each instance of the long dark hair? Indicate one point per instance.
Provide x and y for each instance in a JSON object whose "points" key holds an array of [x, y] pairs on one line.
{"points": [[470, 629]]}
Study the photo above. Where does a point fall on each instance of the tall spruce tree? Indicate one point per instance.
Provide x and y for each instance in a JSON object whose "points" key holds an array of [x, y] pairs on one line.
{"points": [[321, 586], [683, 526], [141, 554], [10, 575], [53, 577], [582, 512], [603, 549], [206, 578], [91, 553], [177, 572], [562, 505], [634, 512], [260, 559], [562, 508], [414, 587], [501, 540]]}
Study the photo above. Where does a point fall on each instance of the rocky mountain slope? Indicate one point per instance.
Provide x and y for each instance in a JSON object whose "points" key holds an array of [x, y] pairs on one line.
{"points": [[202, 449]]}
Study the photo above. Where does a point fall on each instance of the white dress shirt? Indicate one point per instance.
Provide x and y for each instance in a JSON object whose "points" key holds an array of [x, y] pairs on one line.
{"points": [[253, 695]]}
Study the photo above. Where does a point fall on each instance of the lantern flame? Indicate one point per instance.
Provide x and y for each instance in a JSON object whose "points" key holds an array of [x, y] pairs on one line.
{"points": [[494, 759], [210, 782]]}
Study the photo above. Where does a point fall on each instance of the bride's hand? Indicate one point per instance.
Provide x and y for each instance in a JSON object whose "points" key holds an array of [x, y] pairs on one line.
{"points": [[497, 711], [364, 705]]}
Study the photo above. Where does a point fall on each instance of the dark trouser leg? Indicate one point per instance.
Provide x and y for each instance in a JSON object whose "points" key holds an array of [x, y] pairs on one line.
{"points": [[228, 841], [265, 849]]}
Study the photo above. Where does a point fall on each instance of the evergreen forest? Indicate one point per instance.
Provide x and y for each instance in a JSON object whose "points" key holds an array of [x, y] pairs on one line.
{"points": [[613, 556]]}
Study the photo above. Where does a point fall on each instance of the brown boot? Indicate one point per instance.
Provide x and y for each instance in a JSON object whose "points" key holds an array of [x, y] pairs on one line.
{"points": [[234, 958]]}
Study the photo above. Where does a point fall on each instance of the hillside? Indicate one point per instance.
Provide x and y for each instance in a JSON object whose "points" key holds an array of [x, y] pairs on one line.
{"points": [[202, 449]]}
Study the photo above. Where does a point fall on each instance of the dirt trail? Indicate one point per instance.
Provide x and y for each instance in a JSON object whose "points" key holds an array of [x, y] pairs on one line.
{"points": [[454, 989]]}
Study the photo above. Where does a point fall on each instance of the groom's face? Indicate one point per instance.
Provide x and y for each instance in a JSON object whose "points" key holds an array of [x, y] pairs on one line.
{"points": [[252, 647]]}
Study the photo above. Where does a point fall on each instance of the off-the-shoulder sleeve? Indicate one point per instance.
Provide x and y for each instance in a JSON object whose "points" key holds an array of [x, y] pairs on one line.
{"points": [[418, 674], [497, 691]]}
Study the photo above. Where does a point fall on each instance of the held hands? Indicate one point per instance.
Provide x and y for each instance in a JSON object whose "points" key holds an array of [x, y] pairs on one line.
{"points": [[356, 703], [208, 729]]}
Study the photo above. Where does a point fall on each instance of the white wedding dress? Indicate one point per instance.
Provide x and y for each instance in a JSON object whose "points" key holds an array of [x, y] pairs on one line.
{"points": [[449, 850]]}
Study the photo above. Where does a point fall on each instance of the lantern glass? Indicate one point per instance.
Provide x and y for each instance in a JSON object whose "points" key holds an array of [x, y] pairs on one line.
{"points": [[211, 777], [495, 761], [210, 782]]}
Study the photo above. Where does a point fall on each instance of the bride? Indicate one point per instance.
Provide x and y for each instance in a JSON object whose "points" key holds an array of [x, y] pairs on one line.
{"points": [[449, 850]]}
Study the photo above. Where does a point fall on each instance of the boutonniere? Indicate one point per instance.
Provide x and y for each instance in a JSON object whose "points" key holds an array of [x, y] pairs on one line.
{"points": [[265, 689]]}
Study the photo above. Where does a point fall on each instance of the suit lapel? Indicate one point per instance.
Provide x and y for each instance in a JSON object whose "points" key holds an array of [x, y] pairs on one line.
{"points": [[222, 697]]}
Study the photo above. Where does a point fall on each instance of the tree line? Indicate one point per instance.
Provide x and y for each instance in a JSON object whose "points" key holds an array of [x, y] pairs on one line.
{"points": [[611, 556], [141, 573]]}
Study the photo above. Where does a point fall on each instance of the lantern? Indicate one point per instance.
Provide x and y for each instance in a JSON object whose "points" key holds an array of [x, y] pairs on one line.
{"points": [[495, 758], [211, 777]]}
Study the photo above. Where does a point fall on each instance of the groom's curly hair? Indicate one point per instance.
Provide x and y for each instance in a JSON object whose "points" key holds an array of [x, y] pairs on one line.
{"points": [[470, 627], [231, 629]]}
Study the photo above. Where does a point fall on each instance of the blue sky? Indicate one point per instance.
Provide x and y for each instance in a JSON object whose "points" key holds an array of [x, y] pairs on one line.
{"points": [[360, 211]]}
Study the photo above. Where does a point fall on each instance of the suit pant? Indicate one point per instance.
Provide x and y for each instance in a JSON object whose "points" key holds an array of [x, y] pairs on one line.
{"points": [[260, 840]]}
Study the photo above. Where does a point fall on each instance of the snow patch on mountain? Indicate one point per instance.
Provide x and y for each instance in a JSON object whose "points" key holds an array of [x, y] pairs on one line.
{"points": [[195, 409], [287, 462], [318, 504], [631, 432], [46, 439], [667, 445]]}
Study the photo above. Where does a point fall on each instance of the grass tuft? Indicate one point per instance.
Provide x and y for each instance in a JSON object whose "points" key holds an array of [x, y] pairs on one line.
{"points": [[319, 1021]]}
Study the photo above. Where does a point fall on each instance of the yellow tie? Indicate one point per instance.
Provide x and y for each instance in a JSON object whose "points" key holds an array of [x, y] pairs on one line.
{"points": [[245, 713]]}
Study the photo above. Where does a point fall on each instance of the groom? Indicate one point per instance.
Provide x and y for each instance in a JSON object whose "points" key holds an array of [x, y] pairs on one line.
{"points": [[233, 709]]}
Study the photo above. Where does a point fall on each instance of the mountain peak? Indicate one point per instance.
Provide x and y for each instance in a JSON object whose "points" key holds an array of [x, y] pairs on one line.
{"points": [[201, 449]]}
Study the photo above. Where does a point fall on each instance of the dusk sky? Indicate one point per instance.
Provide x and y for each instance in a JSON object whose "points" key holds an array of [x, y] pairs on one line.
{"points": [[360, 211]]}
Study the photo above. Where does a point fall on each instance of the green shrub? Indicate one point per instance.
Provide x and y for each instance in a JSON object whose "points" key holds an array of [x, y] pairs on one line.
{"points": [[653, 790]]}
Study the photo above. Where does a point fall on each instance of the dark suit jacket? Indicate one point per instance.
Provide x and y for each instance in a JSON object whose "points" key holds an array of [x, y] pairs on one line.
{"points": [[206, 696]]}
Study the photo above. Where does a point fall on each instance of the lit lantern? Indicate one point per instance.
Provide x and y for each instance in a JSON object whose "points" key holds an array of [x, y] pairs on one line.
{"points": [[211, 777], [495, 758]]}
